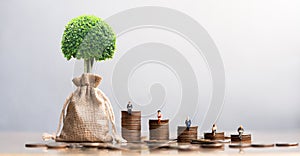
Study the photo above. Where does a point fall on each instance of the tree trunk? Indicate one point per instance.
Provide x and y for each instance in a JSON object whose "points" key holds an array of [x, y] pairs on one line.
{"points": [[88, 65]]}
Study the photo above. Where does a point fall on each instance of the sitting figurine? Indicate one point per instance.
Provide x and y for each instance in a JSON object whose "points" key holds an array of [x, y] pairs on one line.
{"points": [[129, 107], [240, 131], [188, 123], [159, 116], [214, 129]]}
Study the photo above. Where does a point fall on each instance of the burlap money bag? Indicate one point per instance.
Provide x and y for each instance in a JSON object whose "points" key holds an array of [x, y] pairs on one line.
{"points": [[86, 114]]}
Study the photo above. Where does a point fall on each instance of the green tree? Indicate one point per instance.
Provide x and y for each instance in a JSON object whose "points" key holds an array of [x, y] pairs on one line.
{"points": [[90, 38]]}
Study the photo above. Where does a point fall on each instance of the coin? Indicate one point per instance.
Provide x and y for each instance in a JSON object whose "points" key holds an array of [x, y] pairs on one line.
{"points": [[94, 145], [131, 127], [155, 122], [35, 145], [130, 130], [134, 118], [186, 133], [75, 145], [56, 145], [262, 145], [227, 137], [222, 141], [202, 141], [187, 147], [239, 145], [131, 122], [133, 113], [285, 144], [132, 134], [193, 137], [158, 127], [217, 145], [113, 147], [159, 138], [181, 129]]}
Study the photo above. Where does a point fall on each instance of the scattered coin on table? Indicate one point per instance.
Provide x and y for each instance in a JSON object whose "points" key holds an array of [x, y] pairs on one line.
{"points": [[35, 145], [56, 145], [239, 145], [94, 145], [217, 145], [262, 145], [285, 144]]}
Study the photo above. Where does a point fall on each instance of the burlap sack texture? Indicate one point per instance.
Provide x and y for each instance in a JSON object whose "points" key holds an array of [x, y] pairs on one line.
{"points": [[86, 114]]}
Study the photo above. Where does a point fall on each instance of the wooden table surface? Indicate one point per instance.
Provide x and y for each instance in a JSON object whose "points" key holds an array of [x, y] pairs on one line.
{"points": [[13, 143]]}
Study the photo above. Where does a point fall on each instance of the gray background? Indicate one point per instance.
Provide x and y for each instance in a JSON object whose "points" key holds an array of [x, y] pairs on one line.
{"points": [[258, 41]]}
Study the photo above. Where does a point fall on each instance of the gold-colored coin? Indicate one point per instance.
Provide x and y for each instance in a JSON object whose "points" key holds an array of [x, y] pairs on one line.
{"points": [[285, 144], [57, 145], [262, 145], [35, 145], [217, 145], [239, 145]]}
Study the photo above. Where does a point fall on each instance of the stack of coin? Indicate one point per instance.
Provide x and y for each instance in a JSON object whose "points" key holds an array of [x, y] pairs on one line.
{"points": [[184, 135], [159, 131], [217, 136], [131, 126], [246, 138]]}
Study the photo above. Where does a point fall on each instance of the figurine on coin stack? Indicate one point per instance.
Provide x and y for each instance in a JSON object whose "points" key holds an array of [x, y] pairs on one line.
{"points": [[131, 125], [241, 137], [240, 131], [214, 129], [187, 133], [159, 129], [129, 108], [188, 123], [159, 116], [214, 135]]}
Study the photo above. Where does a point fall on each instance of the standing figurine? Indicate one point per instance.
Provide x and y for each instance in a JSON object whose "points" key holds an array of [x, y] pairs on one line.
{"points": [[214, 129], [129, 107], [159, 116], [188, 123], [240, 131]]}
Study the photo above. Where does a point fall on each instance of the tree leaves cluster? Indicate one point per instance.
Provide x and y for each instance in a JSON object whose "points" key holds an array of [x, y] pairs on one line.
{"points": [[88, 37]]}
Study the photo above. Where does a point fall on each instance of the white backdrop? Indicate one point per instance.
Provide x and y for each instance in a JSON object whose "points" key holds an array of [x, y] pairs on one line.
{"points": [[257, 40]]}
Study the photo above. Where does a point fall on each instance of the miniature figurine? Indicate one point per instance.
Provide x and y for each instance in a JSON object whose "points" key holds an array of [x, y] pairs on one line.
{"points": [[188, 123], [240, 131], [129, 107], [214, 129], [159, 116]]}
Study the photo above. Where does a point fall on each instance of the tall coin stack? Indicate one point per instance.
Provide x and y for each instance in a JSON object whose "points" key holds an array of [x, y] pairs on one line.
{"points": [[131, 126], [184, 135], [159, 131]]}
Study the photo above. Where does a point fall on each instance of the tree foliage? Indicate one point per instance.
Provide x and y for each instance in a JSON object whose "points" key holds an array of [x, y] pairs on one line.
{"points": [[88, 37]]}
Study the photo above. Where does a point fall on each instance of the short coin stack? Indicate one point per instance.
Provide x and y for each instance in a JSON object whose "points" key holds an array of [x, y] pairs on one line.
{"points": [[217, 136], [131, 126], [246, 138], [184, 135], [159, 131]]}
